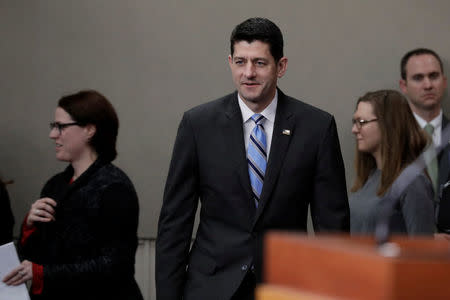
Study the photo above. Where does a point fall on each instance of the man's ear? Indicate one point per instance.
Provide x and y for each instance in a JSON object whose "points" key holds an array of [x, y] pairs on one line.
{"points": [[282, 66], [402, 85]]}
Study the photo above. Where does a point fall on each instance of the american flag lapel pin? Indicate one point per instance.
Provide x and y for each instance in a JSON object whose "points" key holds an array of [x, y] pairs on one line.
{"points": [[286, 132]]}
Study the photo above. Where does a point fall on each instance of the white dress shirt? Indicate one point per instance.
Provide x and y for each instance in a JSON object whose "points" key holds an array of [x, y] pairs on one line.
{"points": [[268, 122]]}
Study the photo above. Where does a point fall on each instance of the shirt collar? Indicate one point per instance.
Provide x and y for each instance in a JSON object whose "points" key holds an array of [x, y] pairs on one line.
{"points": [[268, 112], [436, 122]]}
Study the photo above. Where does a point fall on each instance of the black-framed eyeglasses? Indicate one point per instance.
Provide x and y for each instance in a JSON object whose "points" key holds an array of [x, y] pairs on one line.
{"points": [[61, 126], [360, 122]]}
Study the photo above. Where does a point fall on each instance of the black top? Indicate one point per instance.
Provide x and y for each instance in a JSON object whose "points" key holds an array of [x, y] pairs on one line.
{"points": [[88, 252]]}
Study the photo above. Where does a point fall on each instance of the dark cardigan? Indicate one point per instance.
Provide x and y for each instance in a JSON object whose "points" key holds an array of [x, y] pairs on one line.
{"points": [[88, 252]]}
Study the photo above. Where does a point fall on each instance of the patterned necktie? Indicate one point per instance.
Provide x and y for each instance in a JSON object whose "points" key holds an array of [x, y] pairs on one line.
{"points": [[432, 167], [257, 156]]}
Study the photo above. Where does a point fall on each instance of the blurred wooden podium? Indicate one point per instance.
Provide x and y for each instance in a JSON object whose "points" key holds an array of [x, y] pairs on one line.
{"points": [[301, 267]]}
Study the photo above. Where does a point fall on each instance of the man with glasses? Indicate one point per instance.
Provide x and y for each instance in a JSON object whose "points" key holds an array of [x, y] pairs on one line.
{"points": [[424, 83]]}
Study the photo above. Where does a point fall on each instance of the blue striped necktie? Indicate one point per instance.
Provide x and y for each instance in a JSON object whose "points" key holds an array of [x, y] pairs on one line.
{"points": [[257, 156]]}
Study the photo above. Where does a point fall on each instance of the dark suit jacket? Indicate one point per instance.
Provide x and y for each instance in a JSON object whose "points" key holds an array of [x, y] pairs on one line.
{"points": [[443, 218], [209, 163], [443, 157]]}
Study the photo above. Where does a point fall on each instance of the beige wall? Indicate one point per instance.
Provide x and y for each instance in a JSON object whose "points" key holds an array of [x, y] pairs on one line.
{"points": [[154, 59]]}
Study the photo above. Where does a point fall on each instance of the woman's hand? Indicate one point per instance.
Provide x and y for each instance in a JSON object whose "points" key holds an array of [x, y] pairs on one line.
{"points": [[43, 210], [21, 274]]}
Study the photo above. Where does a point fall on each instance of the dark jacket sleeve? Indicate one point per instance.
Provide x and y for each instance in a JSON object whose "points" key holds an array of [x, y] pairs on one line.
{"points": [[418, 207], [329, 208], [177, 216]]}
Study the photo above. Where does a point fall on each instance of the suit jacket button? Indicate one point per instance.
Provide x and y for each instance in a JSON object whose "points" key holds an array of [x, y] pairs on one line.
{"points": [[244, 267]]}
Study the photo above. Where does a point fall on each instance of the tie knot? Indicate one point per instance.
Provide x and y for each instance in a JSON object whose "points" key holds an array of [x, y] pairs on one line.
{"points": [[429, 128], [257, 118]]}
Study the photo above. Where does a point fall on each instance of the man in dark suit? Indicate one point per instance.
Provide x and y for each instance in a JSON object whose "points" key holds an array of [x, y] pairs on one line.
{"points": [[255, 159], [424, 83]]}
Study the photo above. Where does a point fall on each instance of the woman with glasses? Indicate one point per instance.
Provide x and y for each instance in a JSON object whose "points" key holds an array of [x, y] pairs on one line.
{"points": [[388, 139], [79, 239]]}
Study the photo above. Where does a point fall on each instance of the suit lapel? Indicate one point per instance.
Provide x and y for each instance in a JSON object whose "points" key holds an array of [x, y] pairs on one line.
{"points": [[444, 121], [234, 133], [281, 137]]}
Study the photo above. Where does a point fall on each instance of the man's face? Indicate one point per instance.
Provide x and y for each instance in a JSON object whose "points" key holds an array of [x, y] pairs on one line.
{"points": [[255, 71], [425, 84]]}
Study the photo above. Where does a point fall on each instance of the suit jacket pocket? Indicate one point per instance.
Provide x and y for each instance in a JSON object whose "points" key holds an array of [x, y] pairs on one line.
{"points": [[201, 262]]}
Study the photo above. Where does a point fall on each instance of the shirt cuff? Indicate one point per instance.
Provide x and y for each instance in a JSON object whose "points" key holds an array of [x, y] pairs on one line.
{"points": [[27, 231], [37, 284]]}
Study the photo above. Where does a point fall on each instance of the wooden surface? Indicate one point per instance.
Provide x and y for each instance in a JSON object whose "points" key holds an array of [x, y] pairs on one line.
{"points": [[353, 268], [274, 292]]}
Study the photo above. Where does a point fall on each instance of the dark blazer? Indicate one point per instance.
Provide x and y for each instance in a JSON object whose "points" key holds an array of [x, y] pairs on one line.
{"points": [[443, 216], [209, 163], [444, 157]]}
